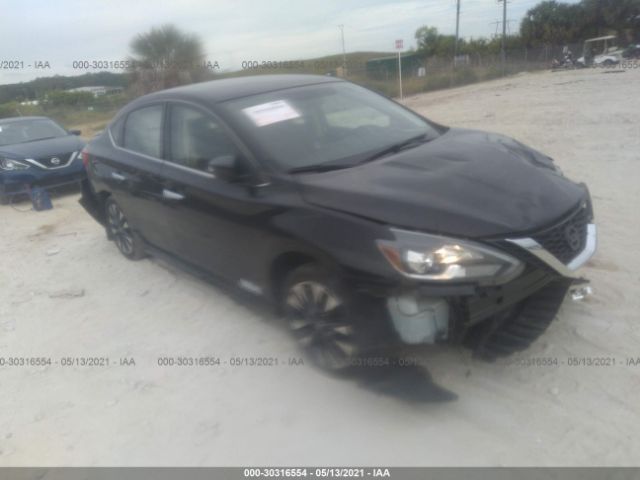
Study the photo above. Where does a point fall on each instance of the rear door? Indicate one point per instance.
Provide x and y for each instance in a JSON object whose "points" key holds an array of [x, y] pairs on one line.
{"points": [[135, 179]]}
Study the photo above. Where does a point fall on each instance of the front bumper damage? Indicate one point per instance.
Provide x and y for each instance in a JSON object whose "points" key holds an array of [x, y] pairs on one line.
{"points": [[418, 316], [428, 313], [566, 270]]}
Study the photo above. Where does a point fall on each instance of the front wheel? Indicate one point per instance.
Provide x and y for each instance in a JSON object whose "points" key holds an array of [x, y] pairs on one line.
{"points": [[319, 314], [119, 230]]}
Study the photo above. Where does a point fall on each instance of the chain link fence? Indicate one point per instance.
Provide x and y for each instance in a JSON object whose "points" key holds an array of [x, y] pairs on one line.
{"points": [[427, 74]]}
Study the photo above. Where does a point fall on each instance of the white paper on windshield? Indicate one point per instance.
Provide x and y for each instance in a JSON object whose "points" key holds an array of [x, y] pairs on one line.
{"points": [[272, 112]]}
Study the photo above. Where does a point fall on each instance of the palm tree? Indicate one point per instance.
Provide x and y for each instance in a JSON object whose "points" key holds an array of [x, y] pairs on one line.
{"points": [[165, 57]]}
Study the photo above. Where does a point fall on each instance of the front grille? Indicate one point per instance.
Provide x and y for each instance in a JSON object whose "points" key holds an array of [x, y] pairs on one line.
{"points": [[50, 162], [567, 239]]}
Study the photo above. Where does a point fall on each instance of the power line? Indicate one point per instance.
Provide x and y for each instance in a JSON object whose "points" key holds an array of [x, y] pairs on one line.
{"points": [[498, 23]]}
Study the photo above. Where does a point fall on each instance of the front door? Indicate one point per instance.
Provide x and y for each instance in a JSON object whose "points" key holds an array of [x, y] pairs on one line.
{"points": [[217, 224]]}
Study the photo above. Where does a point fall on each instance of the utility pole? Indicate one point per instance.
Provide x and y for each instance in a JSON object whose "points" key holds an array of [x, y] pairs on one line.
{"points": [[399, 47], [455, 48], [504, 37], [344, 52]]}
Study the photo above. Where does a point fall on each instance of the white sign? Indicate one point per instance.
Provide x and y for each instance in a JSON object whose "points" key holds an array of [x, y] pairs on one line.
{"points": [[399, 44], [272, 112]]}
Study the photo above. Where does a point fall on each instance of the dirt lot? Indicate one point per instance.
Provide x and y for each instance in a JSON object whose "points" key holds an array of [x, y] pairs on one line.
{"points": [[67, 292]]}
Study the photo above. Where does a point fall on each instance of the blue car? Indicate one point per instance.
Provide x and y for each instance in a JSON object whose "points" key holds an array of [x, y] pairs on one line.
{"points": [[37, 152]]}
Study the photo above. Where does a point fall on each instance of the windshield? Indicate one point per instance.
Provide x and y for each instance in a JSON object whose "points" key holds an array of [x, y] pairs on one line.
{"points": [[22, 131], [327, 123]]}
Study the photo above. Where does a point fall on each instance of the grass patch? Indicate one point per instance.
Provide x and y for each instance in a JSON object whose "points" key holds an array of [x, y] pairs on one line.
{"points": [[90, 120]]}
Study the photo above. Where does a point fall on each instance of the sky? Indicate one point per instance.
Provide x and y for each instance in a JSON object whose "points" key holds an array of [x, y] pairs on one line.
{"points": [[59, 32]]}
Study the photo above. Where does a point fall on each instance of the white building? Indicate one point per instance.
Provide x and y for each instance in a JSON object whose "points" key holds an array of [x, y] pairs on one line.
{"points": [[97, 91]]}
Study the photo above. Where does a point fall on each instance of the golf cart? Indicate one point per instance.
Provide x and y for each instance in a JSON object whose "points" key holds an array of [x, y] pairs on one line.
{"points": [[600, 51]]}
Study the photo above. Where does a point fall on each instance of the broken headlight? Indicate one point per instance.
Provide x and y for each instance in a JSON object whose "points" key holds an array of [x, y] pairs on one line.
{"points": [[431, 257]]}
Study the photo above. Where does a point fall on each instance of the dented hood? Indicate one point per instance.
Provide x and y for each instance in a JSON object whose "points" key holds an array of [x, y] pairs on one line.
{"points": [[465, 183]]}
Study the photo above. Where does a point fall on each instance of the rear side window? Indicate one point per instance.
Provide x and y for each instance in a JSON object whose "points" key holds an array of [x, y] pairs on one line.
{"points": [[196, 138], [143, 131], [117, 131]]}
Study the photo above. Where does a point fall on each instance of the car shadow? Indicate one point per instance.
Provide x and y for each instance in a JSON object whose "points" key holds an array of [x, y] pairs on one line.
{"points": [[409, 383]]}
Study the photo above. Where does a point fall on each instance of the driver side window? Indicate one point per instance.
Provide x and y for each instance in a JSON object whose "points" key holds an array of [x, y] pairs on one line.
{"points": [[196, 139]]}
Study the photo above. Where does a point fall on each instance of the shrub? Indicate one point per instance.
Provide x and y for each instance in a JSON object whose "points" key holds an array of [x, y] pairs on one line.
{"points": [[9, 109]]}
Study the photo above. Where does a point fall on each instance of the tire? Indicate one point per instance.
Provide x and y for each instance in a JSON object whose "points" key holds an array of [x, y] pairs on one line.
{"points": [[517, 328], [119, 230], [320, 315]]}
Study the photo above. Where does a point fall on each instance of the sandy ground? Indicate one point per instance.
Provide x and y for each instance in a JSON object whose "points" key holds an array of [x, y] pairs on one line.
{"points": [[67, 292]]}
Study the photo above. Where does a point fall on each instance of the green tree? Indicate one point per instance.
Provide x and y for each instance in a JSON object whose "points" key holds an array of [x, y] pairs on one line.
{"points": [[431, 43], [427, 39], [604, 16], [165, 57], [552, 23]]}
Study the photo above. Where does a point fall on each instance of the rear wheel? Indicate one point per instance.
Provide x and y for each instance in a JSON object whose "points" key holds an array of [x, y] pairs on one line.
{"points": [[119, 230], [318, 312]]}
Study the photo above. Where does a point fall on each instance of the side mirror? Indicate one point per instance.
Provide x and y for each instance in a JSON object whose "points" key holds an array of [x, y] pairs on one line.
{"points": [[75, 132], [224, 167]]}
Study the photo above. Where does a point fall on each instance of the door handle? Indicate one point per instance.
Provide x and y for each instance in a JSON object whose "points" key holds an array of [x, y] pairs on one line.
{"points": [[118, 176], [171, 195]]}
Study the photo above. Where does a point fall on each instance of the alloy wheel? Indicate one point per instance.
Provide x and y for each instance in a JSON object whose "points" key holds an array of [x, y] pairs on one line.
{"points": [[319, 321], [120, 230]]}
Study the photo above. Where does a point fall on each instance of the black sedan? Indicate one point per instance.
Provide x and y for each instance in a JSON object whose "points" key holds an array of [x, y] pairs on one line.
{"points": [[365, 223], [36, 151]]}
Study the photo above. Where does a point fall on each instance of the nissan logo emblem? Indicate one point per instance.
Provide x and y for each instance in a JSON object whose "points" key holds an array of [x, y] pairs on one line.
{"points": [[573, 237], [55, 161]]}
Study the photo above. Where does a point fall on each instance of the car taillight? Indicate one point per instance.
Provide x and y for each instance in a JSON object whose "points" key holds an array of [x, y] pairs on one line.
{"points": [[85, 158]]}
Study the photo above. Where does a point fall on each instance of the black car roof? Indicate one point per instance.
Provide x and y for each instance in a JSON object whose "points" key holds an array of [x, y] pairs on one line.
{"points": [[20, 119], [229, 88]]}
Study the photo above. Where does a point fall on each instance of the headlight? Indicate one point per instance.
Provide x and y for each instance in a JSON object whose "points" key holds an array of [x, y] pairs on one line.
{"points": [[9, 164], [431, 257]]}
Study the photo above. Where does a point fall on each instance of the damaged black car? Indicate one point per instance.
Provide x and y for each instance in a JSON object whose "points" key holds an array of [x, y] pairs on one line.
{"points": [[367, 224]]}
